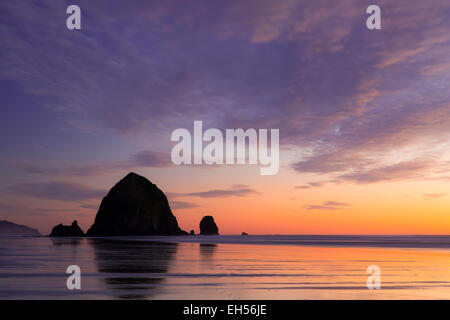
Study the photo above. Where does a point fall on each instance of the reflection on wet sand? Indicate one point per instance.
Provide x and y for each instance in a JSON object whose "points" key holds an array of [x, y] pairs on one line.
{"points": [[33, 268], [66, 241], [207, 250], [134, 269]]}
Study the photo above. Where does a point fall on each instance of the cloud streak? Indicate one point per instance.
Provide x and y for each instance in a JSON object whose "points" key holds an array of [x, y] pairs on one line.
{"points": [[310, 185], [432, 196], [400, 171], [233, 191], [62, 191], [326, 205], [180, 205], [141, 159]]}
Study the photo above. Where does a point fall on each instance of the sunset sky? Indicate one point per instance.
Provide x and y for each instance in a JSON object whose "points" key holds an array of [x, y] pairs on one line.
{"points": [[363, 115]]}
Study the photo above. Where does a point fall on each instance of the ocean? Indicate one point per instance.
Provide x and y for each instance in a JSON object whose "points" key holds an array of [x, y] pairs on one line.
{"points": [[226, 267]]}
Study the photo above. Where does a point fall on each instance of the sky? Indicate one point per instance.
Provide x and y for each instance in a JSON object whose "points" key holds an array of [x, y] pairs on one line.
{"points": [[363, 115]]}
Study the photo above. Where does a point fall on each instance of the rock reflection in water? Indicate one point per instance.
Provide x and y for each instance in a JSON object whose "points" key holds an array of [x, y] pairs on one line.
{"points": [[207, 250], [133, 269], [66, 241]]}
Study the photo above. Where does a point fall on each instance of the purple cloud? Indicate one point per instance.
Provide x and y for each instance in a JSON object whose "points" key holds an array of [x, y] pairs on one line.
{"points": [[63, 191], [311, 185], [233, 191], [144, 159], [400, 171], [335, 203], [89, 206], [319, 207], [179, 205], [432, 196], [150, 159], [326, 205]]}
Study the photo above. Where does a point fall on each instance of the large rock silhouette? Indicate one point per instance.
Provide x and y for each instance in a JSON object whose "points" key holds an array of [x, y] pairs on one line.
{"points": [[208, 226], [134, 207]]}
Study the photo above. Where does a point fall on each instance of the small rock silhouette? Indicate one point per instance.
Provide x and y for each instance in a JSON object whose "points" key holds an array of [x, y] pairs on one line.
{"points": [[67, 231]]}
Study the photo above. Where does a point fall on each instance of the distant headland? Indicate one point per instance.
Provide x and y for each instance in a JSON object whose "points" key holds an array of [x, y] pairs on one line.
{"points": [[8, 228]]}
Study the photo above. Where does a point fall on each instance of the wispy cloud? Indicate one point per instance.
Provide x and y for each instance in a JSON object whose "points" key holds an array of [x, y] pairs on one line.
{"points": [[349, 96], [149, 159], [400, 171], [89, 206], [182, 205], [335, 204], [142, 159], [432, 196], [63, 191], [12, 211], [310, 185], [238, 190], [326, 205]]}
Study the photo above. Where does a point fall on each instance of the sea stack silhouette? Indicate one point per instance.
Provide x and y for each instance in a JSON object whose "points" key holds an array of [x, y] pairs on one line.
{"points": [[67, 231], [208, 226], [134, 207]]}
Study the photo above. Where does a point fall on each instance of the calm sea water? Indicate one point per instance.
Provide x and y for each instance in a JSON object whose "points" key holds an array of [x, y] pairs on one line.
{"points": [[226, 267]]}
